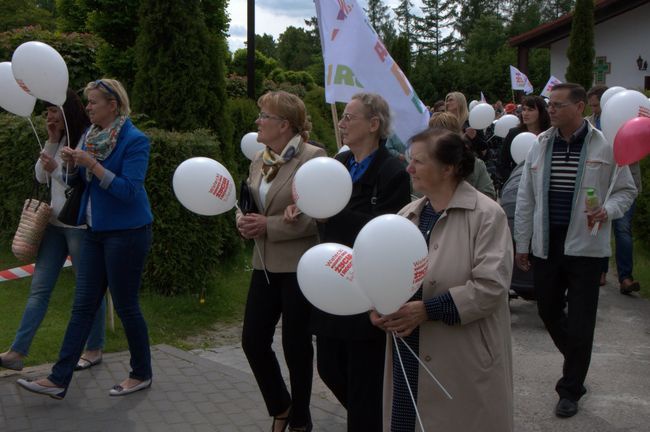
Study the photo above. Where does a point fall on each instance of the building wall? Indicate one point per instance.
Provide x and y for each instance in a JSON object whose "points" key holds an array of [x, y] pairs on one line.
{"points": [[621, 39]]}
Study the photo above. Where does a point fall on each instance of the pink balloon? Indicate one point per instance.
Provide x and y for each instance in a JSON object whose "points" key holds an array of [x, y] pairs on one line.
{"points": [[632, 142]]}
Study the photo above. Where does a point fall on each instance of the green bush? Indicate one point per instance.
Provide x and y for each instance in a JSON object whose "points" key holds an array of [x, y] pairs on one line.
{"points": [[78, 51], [187, 247], [243, 113]]}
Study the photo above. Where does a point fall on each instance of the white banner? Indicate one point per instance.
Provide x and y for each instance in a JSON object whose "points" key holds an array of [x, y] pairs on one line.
{"points": [[357, 61], [520, 81], [549, 86]]}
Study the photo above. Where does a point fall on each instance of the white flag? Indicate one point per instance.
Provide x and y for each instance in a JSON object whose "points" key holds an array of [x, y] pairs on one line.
{"points": [[520, 81], [549, 86], [357, 61], [483, 98]]}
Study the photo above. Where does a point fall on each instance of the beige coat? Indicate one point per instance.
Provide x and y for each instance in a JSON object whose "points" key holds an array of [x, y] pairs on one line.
{"points": [[471, 256], [284, 243]]}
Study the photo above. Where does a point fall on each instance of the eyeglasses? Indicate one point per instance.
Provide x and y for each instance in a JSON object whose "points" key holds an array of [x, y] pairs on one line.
{"points": [[558, 105], [346, 117], [264, 116]]}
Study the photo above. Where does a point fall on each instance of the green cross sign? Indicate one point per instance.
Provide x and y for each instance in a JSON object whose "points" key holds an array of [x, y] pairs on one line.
{"points": [[601, 68]]}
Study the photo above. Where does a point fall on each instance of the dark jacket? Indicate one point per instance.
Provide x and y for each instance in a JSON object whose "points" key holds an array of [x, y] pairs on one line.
{"points": [[384, 188], [506, 164]]}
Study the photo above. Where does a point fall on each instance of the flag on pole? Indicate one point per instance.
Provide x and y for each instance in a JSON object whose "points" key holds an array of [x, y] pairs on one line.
{"points": [[356, 61], [520, 81], [549, 86]]}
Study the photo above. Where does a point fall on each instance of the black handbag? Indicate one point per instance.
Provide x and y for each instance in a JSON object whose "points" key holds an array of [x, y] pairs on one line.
{"points": [[246, 200], [69, 214]]}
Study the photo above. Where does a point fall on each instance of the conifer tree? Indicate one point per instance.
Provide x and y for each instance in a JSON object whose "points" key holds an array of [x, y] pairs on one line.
{"points": [[433, 29], [581, 52], [180, 81]]}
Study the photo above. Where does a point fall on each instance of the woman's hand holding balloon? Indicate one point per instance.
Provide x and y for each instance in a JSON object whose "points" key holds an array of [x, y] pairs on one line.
{"points": [[252, 225], [406, 319], [48, 162]]}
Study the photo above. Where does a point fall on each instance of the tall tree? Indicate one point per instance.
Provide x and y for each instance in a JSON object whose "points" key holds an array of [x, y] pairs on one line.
{"points": [[405, 19], [400, 51], [296, 46], [525, 15], [553, 9], [433, 30], [380, 19], [266, 45], [581, 51], [180, 80], [469, 11]]}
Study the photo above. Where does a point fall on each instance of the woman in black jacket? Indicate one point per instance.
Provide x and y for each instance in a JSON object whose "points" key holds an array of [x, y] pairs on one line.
{"points": [[350, 350]]}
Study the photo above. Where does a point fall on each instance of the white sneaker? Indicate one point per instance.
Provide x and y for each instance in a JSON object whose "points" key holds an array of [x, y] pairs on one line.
{"points": [[34, 387]]}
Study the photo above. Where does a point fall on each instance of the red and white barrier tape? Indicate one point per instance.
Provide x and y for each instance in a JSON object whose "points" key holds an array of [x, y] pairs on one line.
{"points": [[23, 271]]}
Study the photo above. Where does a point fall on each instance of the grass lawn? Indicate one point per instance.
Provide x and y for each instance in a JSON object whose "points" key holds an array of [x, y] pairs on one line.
{"points": [[171, 320]]}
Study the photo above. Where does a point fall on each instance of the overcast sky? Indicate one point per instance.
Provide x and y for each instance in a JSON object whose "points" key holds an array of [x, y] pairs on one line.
{"points": [[274, 16]]}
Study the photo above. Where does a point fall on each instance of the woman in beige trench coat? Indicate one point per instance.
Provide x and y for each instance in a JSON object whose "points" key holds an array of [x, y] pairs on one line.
{"points": [[458, 322]]}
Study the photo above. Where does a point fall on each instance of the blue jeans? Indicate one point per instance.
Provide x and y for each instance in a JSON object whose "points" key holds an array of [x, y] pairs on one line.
{"points": [[57, 244], [119, 257]]}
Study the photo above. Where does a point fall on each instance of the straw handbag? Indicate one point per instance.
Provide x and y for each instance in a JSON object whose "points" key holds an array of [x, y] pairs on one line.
{"points": [[33, 220]]}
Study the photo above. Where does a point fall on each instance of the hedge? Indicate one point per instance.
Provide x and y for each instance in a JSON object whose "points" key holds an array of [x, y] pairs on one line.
{"points": [[642, 211], [186, 247], [78, 51]]}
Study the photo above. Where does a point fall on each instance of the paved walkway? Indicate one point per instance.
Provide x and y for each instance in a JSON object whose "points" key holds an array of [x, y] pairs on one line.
{"points": [[213, 390]]}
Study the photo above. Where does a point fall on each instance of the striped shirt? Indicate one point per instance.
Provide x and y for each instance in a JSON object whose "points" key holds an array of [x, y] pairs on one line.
{"points": [[564, 168]]}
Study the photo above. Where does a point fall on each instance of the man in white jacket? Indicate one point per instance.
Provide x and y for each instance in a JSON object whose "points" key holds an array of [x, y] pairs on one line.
{"points": [[551, 218]]}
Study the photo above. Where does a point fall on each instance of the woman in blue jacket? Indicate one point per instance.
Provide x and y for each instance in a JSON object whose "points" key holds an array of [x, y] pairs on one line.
{"points": [[112, 161]]}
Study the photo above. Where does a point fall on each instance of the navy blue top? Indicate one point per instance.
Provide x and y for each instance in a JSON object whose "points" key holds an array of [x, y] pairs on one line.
{"points": [[357, 169]]}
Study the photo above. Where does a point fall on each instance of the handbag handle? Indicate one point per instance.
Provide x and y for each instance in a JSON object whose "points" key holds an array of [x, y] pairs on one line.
{"points": [[38, 193]]}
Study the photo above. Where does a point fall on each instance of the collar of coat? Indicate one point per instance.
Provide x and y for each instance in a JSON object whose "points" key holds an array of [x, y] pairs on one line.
{"points": [[465, 197]]}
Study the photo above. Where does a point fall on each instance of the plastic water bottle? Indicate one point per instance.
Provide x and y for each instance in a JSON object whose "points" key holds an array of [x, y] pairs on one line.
{"points": [[593, 204]]}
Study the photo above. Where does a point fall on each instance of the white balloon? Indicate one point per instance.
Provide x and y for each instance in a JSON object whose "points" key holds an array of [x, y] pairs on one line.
{"points": [[472, 104], [250, 146], [390, 261], [41, 71], [326, 278], [620, 108], [521, 145], [322, 187], [204, 186], [481, 116], [504, 124], [608, 94], [12, 97], [343, 149]]}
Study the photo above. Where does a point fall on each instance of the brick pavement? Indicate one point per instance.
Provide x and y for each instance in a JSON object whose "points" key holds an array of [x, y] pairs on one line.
{"points": [[189, 393]]}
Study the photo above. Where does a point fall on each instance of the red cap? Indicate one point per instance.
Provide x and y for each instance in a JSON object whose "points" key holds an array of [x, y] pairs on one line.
{"points": [[510, 108]]}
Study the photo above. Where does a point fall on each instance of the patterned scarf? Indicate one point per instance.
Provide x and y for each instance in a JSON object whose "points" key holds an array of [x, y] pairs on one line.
{"points": [[273, 161], [101, 142]]}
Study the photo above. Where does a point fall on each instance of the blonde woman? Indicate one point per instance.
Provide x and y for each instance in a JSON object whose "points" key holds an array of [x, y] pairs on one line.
{"points": [[112, 160], [284, 128], [456, 103]]}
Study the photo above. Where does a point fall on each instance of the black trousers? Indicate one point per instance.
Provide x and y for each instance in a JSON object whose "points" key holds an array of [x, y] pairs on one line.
{"points": [[265, 304], [571, 281], [354, 371]]}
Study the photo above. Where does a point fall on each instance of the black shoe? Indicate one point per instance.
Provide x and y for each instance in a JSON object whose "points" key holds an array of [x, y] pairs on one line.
{"points": [[566, 408]]}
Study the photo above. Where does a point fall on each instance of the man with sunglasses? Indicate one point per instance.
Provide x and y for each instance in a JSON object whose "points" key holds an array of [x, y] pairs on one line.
{"points": [[551, 218]]}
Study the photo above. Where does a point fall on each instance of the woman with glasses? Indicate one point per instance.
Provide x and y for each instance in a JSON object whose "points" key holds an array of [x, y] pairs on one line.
{"points": [[112, 161], [284, 128], [350, 349], [534, 119], [59, 240]]}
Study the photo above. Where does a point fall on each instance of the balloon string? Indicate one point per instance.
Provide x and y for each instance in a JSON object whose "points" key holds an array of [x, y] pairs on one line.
{"points": [[408, 385], [67, 136], [259, 252], [47, 176], [426, 368], [617, 170], [29, 119]]}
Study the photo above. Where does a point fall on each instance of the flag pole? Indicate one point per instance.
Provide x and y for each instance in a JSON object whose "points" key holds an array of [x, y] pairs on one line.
{"points": [[335, 119]]}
